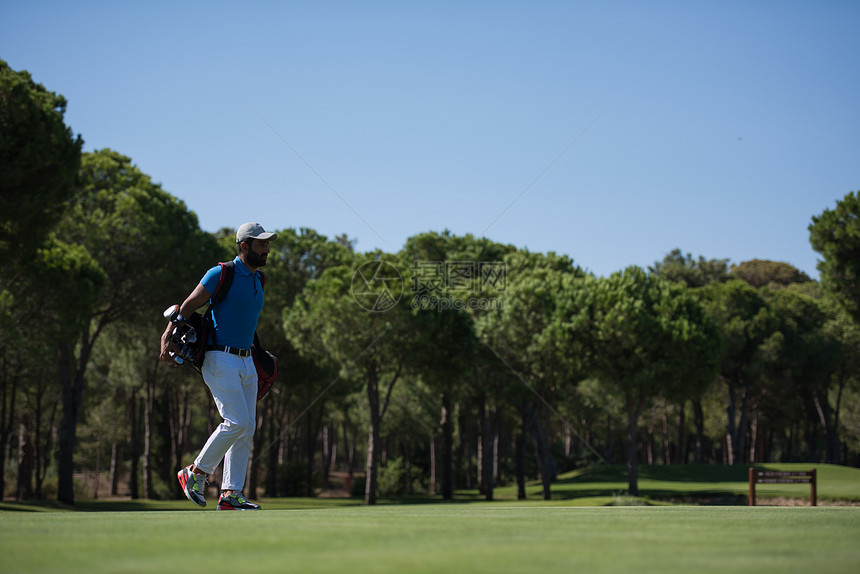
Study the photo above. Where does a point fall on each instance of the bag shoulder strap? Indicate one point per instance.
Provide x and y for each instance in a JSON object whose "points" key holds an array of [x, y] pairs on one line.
{"points": [[225, 281], [262, 278], [263, 285]]}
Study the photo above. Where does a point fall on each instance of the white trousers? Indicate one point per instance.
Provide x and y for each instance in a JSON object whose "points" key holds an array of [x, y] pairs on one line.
{"points": [[232, 380]]}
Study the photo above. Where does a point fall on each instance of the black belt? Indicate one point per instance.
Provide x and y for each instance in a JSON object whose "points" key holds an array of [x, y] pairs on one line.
{"points": [[231, 350]]}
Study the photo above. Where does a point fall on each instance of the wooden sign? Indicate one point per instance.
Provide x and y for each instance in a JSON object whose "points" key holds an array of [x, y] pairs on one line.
{"points": [[762, 476]]}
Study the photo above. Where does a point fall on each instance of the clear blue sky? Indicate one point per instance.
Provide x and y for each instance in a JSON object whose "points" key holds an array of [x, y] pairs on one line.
{"points": [[718, 127]]}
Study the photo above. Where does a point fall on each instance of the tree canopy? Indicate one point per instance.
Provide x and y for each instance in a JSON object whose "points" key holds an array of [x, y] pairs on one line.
{"points": [[760, 273], [835, 234], [39, 161]]}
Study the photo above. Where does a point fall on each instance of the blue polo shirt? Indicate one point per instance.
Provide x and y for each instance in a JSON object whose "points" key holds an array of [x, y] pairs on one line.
{"points": [[236, 315]]}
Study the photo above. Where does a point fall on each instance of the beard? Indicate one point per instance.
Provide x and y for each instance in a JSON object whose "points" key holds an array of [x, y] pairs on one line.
{"points": [[257, 260]]}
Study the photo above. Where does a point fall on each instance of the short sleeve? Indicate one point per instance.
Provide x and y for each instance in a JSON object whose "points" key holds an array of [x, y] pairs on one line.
{"points": [[211, 278]]}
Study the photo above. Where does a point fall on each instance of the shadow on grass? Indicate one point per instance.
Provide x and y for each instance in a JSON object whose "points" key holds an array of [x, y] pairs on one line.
{"points": [[185, 506], [688, 473], [96, 506], [683, 484]]}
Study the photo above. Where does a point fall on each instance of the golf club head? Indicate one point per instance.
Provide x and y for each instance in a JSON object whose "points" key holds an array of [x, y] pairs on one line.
{"points": [[171, 312]]}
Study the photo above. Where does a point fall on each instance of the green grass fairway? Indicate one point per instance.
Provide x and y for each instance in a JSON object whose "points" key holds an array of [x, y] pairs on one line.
{"points": [[574, 532], [437, 538]]}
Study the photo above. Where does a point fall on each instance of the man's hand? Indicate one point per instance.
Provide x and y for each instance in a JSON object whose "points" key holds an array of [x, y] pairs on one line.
{"points": [[195, 300], [167, 345]]}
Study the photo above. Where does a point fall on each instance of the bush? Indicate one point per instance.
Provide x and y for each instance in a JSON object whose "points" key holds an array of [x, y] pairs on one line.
{"points": [[10, 476], [292, 479], [165, 489], [359, 484], [50, 488], [623, 499], [392, 478]]}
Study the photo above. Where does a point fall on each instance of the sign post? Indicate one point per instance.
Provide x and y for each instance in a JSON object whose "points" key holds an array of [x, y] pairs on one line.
{"points": [[760, 476]]}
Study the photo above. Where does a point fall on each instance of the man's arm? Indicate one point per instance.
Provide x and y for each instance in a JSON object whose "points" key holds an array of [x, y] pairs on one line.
{"points": [[194, 301]]}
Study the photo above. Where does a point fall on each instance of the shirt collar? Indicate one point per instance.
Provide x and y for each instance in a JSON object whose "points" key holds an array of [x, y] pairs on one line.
{"points": [[240, 267]]}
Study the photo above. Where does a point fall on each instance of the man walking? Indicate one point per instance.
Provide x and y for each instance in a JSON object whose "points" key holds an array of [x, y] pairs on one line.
{"points": [[228, 369]]}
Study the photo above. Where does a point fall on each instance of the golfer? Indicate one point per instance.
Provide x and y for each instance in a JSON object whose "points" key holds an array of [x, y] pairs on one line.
{"points": [[228, 370]]}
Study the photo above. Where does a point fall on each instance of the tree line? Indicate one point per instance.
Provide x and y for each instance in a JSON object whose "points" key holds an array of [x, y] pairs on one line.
{"points": [[456, 362]]}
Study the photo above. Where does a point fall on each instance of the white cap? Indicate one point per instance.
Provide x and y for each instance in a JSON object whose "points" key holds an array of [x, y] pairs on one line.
{"points": [[253, 231]]}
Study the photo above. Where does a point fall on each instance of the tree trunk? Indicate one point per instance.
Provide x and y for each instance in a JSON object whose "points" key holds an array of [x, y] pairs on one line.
{"points": [[350, 446], [172, 406], [254, 462], [114, 467], [26, 459], [327, 449], [741, 429], [768, 454], [179, 424], [134, 445], [311, 449], [163, 465], [447, 449], [547, 467], [482, 421], [836, 410], [98, 469], [520, 449], [44, 451], [8, 384], [667, 448], [372, 478], [432, 464], [699, 421], [681, 434], [148, 413], [269, 437], [496, 441], [754, 437], [71, 399], [811, 439], [72, 383], [467, 442], [649, 445], [824, 411], [607, 451], [407, 458], [634, 407], [731, 413], [488, 441]]}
